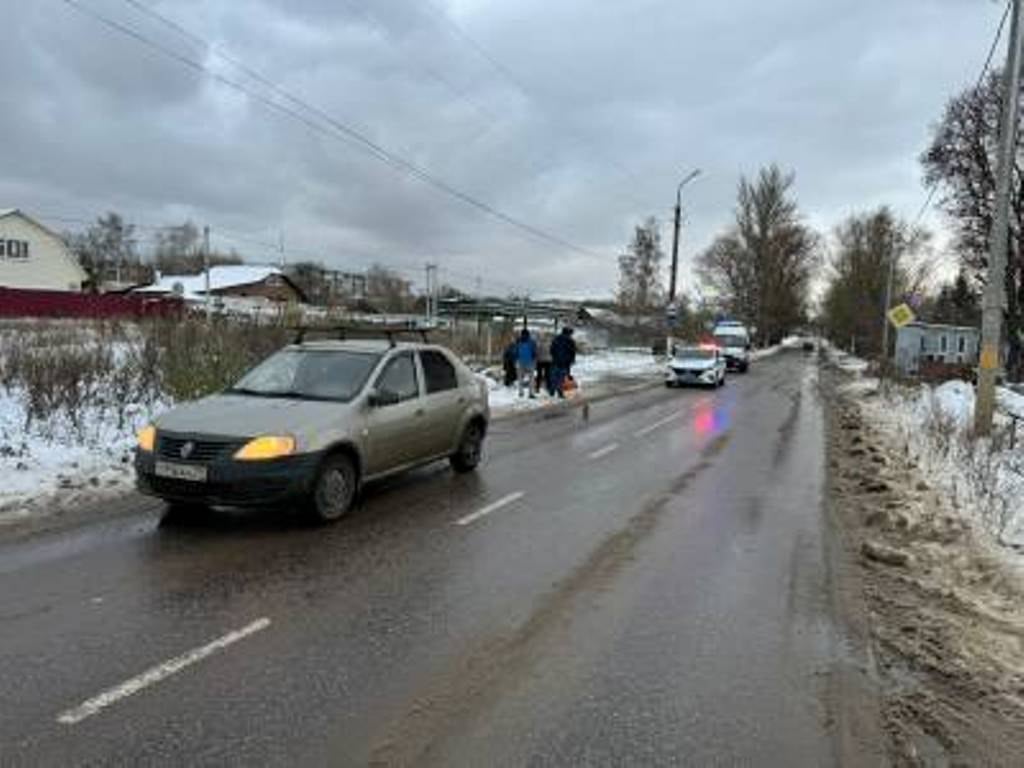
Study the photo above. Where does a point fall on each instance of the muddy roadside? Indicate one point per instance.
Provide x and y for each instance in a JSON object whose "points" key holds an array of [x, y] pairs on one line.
{"points": [[941, 613]]}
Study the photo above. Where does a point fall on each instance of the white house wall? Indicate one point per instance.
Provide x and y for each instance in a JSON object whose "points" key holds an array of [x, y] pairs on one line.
{"points": [[49, 265]]}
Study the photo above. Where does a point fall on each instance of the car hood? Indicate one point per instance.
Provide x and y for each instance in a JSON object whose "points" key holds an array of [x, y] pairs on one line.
{"points": [[692, 364], [247, 416]]}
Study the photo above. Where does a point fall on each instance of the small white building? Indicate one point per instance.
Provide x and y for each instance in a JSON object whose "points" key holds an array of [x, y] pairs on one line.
{"points": [[924, 342], [34, 257]]}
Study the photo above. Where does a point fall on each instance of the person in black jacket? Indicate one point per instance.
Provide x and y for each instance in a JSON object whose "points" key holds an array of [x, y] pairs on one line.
{"points": [[563, 356], [509, 359]]}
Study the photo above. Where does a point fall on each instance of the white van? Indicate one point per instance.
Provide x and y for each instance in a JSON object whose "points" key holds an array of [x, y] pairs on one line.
{"points": [[733, 339]]}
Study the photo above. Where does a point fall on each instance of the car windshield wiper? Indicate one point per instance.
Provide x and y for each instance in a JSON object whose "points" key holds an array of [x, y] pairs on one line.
{"points": [[247, 391], [295, 395]]}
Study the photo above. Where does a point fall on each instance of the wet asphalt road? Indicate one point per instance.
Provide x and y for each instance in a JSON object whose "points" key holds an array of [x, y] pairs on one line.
{"points": [[657, 594]]}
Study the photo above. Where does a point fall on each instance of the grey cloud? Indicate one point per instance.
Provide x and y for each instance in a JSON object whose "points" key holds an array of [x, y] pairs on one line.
{"points": [[620, 99]]}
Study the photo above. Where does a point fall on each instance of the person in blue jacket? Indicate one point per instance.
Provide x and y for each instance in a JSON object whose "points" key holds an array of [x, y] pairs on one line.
{"points": [[526, 362], [563, 356]]}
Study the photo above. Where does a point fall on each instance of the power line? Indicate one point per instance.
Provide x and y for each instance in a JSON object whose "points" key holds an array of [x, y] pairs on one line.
{"points": [[934, 186], [351, 134], [460, 33], [488, 118]]}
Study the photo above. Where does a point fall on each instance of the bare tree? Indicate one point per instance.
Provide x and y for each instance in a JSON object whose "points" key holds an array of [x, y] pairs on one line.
{"points": [[179, 251], [762, 266], [866, 244], [388, 290], [961, 160], [106, 248], [640, 287]]}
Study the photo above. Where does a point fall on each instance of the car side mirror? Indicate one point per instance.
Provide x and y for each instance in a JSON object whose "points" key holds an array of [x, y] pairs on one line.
{"points": [[382, 397]]}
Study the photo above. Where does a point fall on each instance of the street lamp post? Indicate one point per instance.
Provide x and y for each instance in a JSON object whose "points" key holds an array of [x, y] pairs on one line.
{"points": [[673, 310]]}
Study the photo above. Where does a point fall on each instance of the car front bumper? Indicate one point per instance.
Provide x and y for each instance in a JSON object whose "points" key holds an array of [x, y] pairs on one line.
{"points": [[684, 376], [736, 363], [232, 483]]}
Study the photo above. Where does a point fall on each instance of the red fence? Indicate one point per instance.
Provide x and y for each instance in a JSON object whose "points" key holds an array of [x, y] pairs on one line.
{"points": [[19, 303]]}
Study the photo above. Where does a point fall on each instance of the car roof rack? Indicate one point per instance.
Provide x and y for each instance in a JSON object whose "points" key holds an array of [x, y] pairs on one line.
{"points": [[345, 332]]}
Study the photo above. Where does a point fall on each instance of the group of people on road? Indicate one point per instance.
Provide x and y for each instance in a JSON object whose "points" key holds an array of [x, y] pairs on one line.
{"points": [[535, 366]]}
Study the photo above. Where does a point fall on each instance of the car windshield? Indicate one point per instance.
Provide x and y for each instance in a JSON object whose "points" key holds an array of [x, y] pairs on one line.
{"points": [[695, 353], [309, 374], [730, 340]]}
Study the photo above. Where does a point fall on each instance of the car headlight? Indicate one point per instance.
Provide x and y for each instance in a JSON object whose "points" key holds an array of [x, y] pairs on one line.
{"points": [[146, 438], [266, 447]]}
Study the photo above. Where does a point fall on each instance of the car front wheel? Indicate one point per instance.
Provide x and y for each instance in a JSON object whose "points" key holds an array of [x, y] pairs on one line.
{"points": [[334, 490], [467, 456]]}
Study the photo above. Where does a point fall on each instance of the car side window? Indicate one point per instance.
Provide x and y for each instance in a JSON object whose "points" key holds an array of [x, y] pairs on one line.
{"points": [[438, 372], [399, 377]]}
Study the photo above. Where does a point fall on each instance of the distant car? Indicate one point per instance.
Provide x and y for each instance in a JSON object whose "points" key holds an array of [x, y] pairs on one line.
{"points": [[808, 345], [702, 366], [312, 423]]}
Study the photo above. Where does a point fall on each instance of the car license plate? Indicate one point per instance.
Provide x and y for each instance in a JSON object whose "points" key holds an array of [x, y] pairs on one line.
{"points": [[190, 472]]}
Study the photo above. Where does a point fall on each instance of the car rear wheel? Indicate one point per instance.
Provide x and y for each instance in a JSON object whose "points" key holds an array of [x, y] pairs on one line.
{"points": [[471, 447], [334, 491]]}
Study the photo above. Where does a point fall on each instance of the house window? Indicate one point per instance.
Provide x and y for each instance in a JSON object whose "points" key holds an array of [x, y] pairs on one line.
{"points": [[943, 343], [16, 249], [922, 344], [961, 346]]}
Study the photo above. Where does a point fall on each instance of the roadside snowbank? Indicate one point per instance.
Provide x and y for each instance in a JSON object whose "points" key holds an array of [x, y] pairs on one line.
{"points": [[983, 478], [53, 457]]}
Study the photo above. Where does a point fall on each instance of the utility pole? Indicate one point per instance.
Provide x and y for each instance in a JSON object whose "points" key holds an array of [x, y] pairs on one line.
{"points": [[995, 288], [675, 255], [885, 309], [431, 288], [206, 271], [280, 249]]}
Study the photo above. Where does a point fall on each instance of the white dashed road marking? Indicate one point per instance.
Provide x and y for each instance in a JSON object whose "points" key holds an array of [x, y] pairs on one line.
{"points": [[156, 674], [502, 502], [601, 452], [660, 423]]}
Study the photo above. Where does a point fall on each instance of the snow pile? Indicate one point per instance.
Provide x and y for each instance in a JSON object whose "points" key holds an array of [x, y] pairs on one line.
{"points": [[984, 478], [53, 456]]}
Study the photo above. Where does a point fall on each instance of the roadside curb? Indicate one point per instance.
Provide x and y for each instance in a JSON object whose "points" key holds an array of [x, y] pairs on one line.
{"points": [[561, 407]]}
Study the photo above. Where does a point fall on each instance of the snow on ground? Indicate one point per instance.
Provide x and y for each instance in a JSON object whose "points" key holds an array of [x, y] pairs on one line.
{"points": [[591, 372], [983, 478], [53, 458]]}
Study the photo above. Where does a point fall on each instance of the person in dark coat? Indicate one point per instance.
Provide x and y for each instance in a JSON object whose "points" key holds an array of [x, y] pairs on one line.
{"points": [[563, 357], [509, 360]]}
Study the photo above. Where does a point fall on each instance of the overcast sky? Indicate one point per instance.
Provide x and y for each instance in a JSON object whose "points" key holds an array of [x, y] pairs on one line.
{"points": [[577, 117]]}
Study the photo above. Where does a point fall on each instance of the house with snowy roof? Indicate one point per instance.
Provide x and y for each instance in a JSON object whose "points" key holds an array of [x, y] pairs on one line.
{"points": [[261, 285]]}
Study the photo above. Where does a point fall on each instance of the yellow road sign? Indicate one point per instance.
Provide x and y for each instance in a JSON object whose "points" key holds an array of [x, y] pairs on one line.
{"points": [[901, 315]]}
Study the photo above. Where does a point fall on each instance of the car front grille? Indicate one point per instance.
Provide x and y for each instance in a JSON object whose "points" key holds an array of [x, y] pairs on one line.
{"points": [[203, 450]]}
